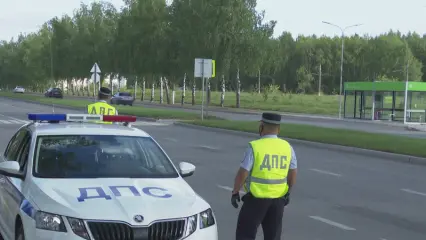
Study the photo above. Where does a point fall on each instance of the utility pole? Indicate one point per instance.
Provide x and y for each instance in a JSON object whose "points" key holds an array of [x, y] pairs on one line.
{"points": [[319, 81], [258, 84], [341, 60]]}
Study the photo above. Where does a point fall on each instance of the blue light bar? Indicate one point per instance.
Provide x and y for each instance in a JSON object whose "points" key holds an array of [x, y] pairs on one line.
{"points": [[47, 117]]}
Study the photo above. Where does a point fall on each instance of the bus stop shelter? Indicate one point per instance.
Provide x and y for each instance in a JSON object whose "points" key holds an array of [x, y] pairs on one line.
{"points": [[390, 101]]}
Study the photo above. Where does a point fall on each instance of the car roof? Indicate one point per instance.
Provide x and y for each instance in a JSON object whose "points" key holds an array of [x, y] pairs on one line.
{"points": [[75, 128]]}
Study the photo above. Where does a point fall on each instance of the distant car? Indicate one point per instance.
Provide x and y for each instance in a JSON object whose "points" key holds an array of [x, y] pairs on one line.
{"points": [[54, 92], [124, 98], [19, 89]]}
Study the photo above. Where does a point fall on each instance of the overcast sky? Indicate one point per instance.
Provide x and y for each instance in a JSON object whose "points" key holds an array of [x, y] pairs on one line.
{"points": [[297, 17]]}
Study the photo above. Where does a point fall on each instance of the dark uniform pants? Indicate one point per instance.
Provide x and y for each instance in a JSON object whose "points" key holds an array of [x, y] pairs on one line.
{"points": [[257, 211]]}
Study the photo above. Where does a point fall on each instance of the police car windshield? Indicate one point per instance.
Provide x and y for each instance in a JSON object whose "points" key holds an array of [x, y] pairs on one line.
{"points": [[100, 156]]}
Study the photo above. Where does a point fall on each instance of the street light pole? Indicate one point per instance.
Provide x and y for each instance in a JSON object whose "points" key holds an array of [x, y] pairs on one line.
{"points": [[341, 60]]}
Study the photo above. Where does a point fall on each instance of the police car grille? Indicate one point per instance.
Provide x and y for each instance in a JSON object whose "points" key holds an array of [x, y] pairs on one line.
{"points": [[167, 230], [170, 230], [110, 231]]}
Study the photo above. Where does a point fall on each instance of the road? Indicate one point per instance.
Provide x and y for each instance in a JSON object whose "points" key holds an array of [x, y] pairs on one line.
{"points": [[305, 119], [337, 196]]}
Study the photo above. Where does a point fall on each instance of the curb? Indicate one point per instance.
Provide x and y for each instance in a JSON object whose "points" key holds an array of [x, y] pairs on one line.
{"points": [[72, 108], [366, 152]]}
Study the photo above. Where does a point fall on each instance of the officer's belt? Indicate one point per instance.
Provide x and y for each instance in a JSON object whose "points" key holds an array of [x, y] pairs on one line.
{"points": [[267, 181]]}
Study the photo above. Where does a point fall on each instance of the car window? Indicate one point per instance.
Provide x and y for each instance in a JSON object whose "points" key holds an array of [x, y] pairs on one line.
{"points": [[13, 148], [23, 154], [57, 89], [94, 156], [125, 94]]}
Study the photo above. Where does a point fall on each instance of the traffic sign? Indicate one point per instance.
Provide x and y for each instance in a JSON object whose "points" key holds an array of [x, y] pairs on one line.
{"points": [[95, 78], [95, 69], [203, 68], [213, 68]]}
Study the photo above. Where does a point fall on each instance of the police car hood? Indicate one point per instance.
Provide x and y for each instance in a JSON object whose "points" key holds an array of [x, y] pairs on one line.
{"points": [[117, 199]]}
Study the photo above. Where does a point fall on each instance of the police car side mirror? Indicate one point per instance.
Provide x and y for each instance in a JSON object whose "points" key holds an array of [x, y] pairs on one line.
{"points": [[186, 169], [11, 169]]}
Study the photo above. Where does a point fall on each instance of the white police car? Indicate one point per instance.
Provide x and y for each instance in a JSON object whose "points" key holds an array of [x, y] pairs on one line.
{"points": [[70, 179]]}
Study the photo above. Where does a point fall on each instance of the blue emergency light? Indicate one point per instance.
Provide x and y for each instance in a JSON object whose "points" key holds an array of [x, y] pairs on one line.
{"points": [[47, 117], [79, 117]]}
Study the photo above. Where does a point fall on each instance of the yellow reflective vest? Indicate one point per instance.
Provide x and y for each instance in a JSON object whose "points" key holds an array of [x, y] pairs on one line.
{"points": [[271, 163], [101, 108]]}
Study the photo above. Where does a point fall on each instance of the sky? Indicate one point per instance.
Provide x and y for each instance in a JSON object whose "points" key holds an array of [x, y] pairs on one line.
{"points": [[298, 17]]}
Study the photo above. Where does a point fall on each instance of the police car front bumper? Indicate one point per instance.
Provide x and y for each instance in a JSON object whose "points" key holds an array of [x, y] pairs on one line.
{"points": [[32, 233], [209, 233]]}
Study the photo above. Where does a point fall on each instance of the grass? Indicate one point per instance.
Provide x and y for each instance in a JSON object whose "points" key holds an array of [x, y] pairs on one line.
{"points": [[379, 142], [283, 102], [125, 110]]}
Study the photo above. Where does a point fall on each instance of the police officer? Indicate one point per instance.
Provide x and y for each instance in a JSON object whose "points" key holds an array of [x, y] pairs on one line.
{"points": [[268, 173], [101, 107]]}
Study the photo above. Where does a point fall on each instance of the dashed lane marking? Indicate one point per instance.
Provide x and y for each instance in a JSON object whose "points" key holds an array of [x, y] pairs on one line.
{"points": [[414, 192], [150, 124], [325, 172], [332, 223]]}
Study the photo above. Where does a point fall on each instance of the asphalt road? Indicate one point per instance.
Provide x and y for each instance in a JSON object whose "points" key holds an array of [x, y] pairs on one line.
{"points": [[305, 119], [337, 196]]}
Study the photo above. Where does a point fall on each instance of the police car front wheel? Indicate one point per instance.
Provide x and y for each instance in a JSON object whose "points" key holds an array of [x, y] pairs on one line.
{"points": [[20, 233]]}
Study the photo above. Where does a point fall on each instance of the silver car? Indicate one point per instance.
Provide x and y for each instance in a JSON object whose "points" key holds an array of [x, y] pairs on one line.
{"points": [[124, 98], [19, 89]]}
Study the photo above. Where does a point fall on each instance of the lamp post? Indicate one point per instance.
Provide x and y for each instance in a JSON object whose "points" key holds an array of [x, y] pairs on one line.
{"points": [[341, 60]]}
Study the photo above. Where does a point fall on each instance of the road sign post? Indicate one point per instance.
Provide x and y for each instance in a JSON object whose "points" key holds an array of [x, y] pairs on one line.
{"points": [[204, 68], [95, 77]]}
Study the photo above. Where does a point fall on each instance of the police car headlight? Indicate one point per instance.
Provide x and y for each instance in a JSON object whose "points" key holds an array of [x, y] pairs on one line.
{"points": [[78, 227], [207, 219], [191, 225], [49, 221]]}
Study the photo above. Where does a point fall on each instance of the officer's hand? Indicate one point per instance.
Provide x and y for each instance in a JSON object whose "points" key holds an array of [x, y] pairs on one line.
{"points": [[234, 199], [286, 199]]}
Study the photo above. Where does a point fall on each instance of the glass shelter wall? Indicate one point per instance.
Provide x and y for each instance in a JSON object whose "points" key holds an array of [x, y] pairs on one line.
{"points": [[416, 107], [358, 105]]}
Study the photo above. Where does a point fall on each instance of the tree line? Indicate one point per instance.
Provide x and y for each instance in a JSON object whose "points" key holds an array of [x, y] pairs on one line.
{"points": [[149, 39]]}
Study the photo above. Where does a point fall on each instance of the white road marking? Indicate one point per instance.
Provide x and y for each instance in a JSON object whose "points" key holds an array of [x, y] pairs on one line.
{"points": [[325, 172], [413, 192], [17, 119], [17, 122], [13, 122], [228, 188], [149, 124], [208, 147], [334, 224]]}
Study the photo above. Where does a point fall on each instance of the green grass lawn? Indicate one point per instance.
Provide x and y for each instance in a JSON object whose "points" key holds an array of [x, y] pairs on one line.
{"points": [[125, 110], [379, 142], [293, 103]]}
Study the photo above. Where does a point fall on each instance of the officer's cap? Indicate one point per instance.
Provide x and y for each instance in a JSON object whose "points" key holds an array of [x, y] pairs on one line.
{"points": [[105, 91], [271, 118]]}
